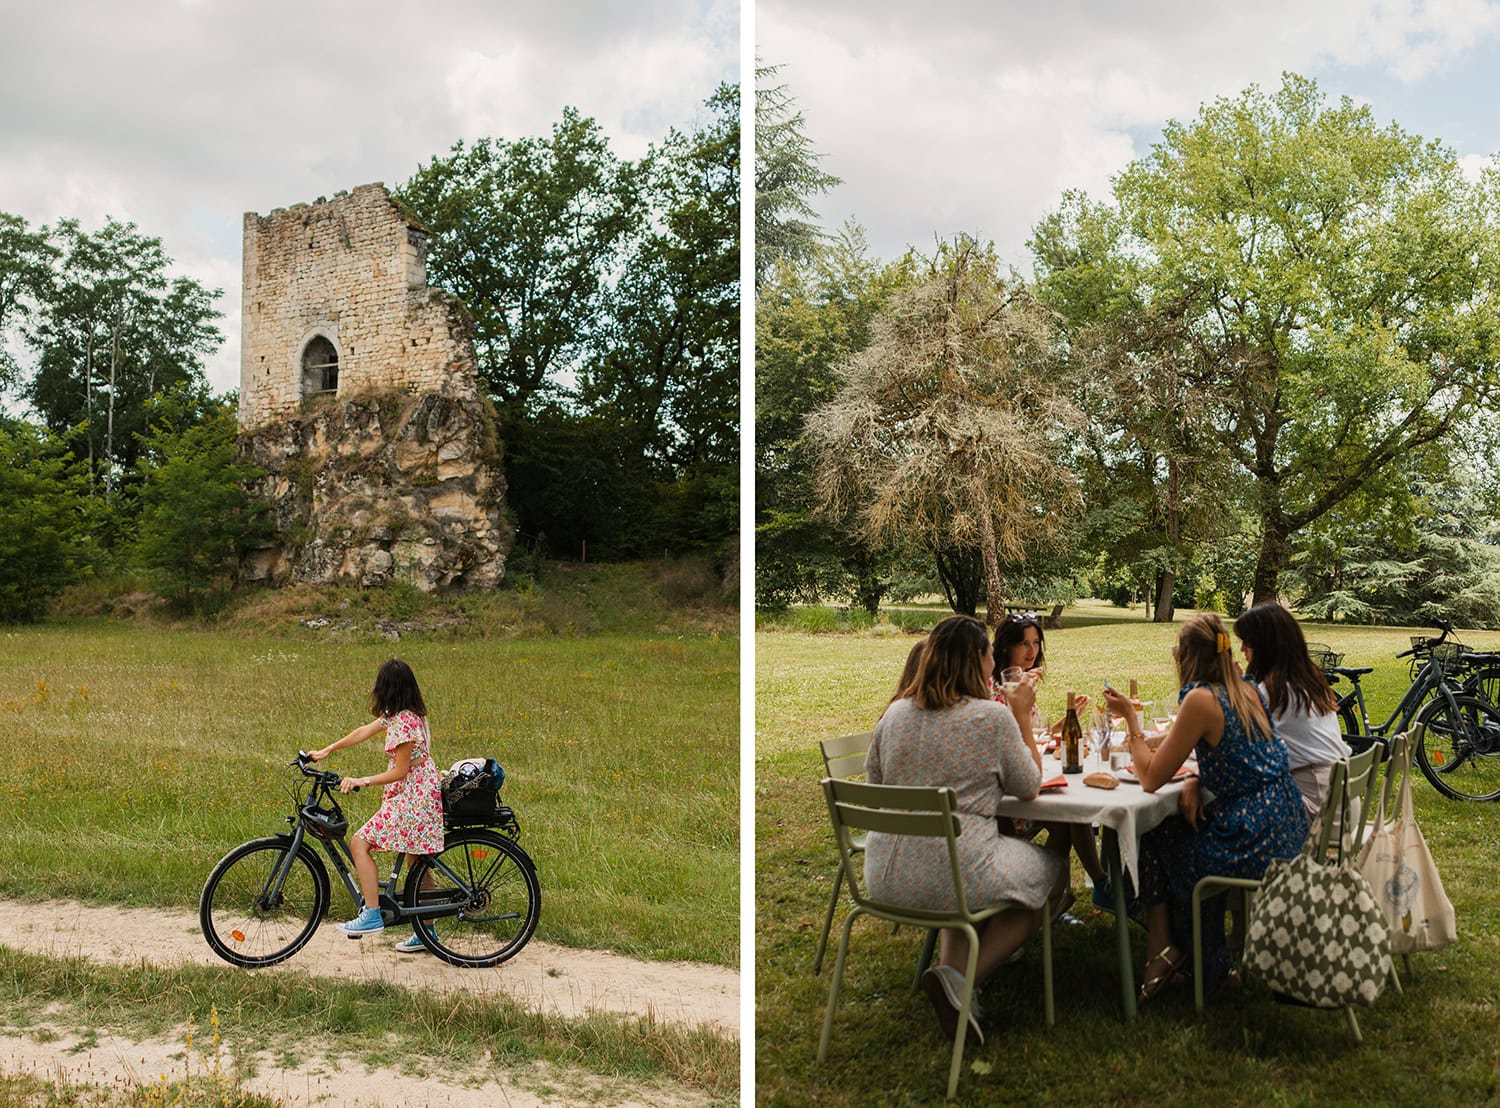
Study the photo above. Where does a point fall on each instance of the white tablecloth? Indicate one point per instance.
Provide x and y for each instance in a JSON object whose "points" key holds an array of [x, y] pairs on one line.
{"points": [[1129, 810]]}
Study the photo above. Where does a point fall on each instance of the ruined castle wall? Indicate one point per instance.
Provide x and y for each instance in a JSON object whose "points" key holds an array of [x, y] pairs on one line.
{"points": [[353, 270]]}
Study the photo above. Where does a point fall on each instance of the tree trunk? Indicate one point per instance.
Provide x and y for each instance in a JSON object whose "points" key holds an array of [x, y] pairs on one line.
{"points": [[994, 585], [1166, 581], [109, 433], [1273, 551], [955, 571], [88, 402]]}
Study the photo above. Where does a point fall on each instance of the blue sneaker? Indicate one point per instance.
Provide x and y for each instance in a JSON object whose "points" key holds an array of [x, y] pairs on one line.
{"points": [[368, 922], [412, 944]]}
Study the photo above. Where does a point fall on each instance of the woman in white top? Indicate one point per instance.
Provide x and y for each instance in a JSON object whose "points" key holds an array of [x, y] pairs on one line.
{"points": [[1303, 707]]}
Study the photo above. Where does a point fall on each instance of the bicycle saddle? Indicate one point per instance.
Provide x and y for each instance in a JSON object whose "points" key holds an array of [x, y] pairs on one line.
{"points": [[1353, 671]]}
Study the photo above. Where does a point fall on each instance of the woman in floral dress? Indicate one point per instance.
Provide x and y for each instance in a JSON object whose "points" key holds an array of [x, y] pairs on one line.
{"points": [[410, 817], [1257, 813]]}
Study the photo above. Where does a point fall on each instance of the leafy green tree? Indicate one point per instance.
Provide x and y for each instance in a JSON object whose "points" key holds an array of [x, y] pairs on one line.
{"points": [[196, 518], [809, 318], [526, 233], [666, 368], [114, 330], [947, 428], [26, 258], [45, 541], [1155, 478], [786, 176], [1334, 283]]}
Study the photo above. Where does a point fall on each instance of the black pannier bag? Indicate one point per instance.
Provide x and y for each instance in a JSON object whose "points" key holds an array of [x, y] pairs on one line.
{"points": [[471, 791]]}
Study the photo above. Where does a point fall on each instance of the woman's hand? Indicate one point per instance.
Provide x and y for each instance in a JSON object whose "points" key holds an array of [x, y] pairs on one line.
{"points": [[349, 784], [1190, 802], [1021, 700], [319, 755], [1119, 704]]}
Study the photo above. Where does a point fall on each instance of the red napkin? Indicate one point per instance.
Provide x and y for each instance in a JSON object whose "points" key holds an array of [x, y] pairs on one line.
{"points": [[1058, 782]]}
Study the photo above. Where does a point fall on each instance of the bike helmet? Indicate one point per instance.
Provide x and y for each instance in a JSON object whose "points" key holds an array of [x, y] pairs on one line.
{"points": [[326, 823]]}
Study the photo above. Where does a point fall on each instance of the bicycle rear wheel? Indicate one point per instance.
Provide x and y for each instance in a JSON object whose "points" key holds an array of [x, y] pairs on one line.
{"points": [[249, 922], [495, 882], [1459, 748]]}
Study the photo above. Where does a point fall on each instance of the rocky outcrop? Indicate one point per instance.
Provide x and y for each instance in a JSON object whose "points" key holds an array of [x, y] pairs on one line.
{"points": [[379, 488]]}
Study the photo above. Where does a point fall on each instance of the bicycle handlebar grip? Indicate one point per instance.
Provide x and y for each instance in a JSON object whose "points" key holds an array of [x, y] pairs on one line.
{"points": [[1404, 653]]}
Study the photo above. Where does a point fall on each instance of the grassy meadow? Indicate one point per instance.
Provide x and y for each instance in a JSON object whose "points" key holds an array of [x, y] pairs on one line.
{"points": [[1433, 1044], [140, 756]]}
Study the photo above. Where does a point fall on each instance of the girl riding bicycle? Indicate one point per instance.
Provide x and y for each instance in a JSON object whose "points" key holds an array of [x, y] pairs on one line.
{"points": [[410, 817]]}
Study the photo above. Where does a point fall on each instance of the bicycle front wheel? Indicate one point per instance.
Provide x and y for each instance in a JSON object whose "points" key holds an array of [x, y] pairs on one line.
{"points": [[495, 883], [1458, 748], [254, 915]]}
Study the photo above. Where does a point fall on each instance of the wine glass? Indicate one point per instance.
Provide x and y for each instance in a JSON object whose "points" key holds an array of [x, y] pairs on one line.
{"points": [[1010, 679], [1099, 737]]}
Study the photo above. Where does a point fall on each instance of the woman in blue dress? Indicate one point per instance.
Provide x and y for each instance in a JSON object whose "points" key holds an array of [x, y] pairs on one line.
{"points": [[1256, 814]]}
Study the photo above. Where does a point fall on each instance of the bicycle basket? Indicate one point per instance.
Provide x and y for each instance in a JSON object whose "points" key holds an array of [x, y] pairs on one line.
{"points": [[471, 791], [1324, 657], [1449, 655]]}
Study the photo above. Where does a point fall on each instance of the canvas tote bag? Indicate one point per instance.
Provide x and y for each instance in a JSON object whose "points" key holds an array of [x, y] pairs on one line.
{"points": [[1316, 934], [1400, 869]]}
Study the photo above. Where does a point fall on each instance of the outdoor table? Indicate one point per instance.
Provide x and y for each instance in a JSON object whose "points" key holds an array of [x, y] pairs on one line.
{"points": [[1124, 815]]}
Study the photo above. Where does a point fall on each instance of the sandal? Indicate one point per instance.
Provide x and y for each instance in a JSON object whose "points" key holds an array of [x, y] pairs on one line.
{"points": [[1168, 961]]}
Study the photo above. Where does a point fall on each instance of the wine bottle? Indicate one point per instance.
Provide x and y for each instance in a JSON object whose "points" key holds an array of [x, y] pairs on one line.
{"points": [[1072, 738]]}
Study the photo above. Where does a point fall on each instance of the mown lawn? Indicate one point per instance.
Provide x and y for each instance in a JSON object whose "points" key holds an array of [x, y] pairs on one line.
{"points": [[138, 757], [1433, 1044]]}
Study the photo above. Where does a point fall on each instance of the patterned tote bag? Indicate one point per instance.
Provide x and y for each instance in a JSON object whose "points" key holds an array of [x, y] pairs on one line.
{"points": [[1316, 933]]}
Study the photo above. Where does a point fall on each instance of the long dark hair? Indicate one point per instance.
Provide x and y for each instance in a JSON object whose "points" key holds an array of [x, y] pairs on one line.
{"points": [[396, 691], [1204, 653], [1280, 660], [948, 669], [1012, 633]]}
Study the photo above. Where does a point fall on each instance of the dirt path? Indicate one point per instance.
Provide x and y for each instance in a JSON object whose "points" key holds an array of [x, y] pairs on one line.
{"points": [[556, 979], [113, 1062]]}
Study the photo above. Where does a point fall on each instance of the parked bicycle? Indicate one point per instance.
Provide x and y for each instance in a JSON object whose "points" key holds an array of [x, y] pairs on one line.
{"points": [[1458, 748], [475, 904]]}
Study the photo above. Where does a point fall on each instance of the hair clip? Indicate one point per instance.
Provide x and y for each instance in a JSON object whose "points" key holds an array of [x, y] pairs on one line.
{"points": [[1223, 642]]}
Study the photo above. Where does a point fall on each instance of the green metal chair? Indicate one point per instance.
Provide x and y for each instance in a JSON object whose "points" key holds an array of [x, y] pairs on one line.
{"points": [[1339, 816], [844, 760], [919, 811]]}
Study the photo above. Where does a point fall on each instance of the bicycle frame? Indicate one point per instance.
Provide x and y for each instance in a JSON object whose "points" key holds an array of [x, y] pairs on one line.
{"points": [[1431, 677], [390, 905]]}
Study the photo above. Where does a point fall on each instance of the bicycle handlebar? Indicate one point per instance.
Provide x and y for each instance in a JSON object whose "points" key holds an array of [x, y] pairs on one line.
{"points": [[324, 777]]}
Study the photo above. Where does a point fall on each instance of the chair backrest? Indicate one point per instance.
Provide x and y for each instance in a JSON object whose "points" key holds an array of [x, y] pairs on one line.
{"points": [[1346, 808], [844, 757], [1398, 750], [1361, 780], [911, 810]]}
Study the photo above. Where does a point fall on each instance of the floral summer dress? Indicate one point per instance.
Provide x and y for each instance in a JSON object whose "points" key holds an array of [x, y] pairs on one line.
{"points": [[410, 817], [1256, 815]]}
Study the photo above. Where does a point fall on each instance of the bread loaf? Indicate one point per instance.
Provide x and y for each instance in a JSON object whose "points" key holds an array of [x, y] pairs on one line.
{"points": [[1102, 781]]}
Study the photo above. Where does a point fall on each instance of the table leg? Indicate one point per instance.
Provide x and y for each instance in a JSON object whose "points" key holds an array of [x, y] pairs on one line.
{"points": [[1111, 843]]}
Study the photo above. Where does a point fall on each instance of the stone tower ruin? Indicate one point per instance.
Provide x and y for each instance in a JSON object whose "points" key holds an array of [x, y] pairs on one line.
{"points": [[359, 400]]}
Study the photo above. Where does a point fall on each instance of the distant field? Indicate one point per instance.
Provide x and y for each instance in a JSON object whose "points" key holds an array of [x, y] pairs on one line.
{"points": [[1435, 1044], [139, 757]]}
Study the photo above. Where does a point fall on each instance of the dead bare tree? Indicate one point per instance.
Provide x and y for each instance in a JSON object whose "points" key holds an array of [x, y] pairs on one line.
{"points": [[949, 426]]}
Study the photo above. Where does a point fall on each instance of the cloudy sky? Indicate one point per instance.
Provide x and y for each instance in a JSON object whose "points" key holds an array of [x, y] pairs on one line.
{"points": [[974, 115], [182, 115]]}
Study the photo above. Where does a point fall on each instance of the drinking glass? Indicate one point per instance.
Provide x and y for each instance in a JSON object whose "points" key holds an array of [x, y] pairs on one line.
{"points": [[1099, 738], [1010, 677]]}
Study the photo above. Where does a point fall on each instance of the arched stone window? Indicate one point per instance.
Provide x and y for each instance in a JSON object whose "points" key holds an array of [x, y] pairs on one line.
{"points": [[320, 367]]}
